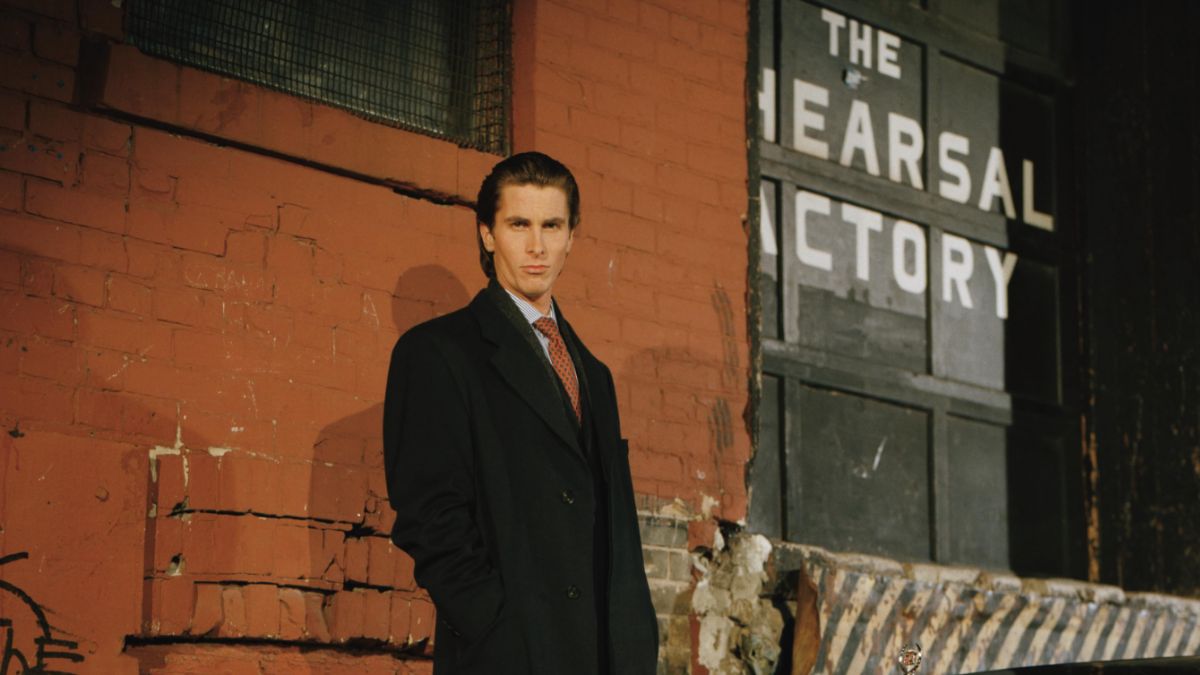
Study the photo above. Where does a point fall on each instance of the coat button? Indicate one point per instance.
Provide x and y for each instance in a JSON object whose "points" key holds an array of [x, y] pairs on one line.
{"points": [[567, 497], [573, 592]]}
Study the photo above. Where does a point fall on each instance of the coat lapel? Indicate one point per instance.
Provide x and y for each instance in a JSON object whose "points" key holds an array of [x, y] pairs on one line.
{"points": [[520, 366]]}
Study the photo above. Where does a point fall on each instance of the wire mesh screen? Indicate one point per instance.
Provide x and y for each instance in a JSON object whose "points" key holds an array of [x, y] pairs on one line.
{"points": [[435, 66]]}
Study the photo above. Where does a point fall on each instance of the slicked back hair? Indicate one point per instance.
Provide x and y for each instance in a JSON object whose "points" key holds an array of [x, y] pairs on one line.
{"points": [[526, 168]]}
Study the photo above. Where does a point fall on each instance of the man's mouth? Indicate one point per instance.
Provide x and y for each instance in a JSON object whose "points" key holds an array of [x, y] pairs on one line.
{"points": [[535, 269]]}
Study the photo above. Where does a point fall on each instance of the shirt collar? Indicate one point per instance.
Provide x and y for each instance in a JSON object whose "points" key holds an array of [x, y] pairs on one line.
{"points": [[528, 311]]}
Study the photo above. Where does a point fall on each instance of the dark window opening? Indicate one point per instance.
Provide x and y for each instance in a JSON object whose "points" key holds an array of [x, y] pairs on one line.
{"points": [[438, 68]]}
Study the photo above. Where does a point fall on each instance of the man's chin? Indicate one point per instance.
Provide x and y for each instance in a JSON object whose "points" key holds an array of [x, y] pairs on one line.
{"points": [[530, 292], [534, 288]]}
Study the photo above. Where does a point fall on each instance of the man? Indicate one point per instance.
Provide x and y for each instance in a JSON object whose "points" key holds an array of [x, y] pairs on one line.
{"points": [[505, 462]]}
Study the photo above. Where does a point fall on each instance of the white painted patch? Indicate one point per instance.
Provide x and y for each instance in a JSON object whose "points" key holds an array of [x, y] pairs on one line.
{"points": [[369, 309], [714, 640], [879, 454], [155, 453], [751, 553]]}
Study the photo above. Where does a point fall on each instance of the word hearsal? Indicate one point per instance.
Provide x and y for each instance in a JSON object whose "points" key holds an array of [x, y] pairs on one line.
{"points": [[909, 250], [905, 136]]}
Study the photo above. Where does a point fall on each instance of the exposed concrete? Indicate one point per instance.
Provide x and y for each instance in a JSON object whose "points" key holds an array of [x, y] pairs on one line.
{"points": [[740, 628]]}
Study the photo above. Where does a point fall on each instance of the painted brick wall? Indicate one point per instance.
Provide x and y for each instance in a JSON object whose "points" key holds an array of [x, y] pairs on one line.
{"points": [[200, 283], [645, 101]]}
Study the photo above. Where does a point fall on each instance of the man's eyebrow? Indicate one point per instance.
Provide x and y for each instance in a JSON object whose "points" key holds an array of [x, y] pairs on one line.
{"points": [[522, 219]]}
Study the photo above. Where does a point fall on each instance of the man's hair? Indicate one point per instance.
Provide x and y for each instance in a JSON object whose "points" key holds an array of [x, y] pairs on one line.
{"points": [[526, 168]]}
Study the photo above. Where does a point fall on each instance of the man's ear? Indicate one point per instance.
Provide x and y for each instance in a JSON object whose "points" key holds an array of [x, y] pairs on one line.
{"points": [[485, 235], [570, 238]]}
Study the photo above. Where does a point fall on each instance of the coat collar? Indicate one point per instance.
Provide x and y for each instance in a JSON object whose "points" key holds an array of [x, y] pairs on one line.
{"points": [[517, 360]]}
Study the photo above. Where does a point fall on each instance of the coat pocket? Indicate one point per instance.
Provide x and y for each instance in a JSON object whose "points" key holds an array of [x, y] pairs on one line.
{"points": [[499, 649]]}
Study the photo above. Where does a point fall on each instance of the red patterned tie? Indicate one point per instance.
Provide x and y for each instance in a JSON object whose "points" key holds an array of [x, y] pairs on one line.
{"points": [[561, 360]]}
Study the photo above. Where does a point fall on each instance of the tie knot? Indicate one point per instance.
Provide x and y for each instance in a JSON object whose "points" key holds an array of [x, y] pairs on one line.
{"points": [[546, 326]]}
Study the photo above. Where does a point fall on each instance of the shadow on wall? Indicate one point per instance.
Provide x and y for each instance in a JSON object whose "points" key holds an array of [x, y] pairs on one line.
{"points": [[372, 568], [681, 412], [255, 555]]}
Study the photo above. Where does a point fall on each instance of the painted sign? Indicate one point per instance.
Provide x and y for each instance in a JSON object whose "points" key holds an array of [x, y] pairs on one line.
{"points": [[909, 278], [868, 99], [856, 99]]}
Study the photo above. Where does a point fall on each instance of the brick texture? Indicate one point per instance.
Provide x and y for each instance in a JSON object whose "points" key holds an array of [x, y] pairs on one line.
{"points": [[194, 335], [629, 96]]}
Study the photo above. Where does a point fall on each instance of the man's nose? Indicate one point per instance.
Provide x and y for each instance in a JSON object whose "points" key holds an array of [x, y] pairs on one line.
{"points": [[536, 243]]}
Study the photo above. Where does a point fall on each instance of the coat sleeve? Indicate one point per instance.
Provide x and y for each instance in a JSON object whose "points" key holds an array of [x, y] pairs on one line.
{"points": [[428, 458]]}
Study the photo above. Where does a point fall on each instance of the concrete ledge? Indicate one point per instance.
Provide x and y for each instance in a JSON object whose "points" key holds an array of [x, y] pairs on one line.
{"points": [[969, 619]]}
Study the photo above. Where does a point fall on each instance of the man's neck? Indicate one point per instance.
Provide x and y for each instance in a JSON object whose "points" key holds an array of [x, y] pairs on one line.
{"points": [[544, 304]]}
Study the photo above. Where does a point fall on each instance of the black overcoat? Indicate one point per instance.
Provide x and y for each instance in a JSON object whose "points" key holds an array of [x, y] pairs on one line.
{"points": [[494, 499]]}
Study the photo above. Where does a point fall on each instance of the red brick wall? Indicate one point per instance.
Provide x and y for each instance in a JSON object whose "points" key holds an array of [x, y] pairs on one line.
{"points": [[194, 337], [645, 102]]}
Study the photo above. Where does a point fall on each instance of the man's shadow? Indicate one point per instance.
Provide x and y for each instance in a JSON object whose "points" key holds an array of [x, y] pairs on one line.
{"points": [[369, 563]]}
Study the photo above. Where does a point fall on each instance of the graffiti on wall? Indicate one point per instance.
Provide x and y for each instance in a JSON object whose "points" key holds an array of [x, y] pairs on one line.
{"points": [[28, 643]]}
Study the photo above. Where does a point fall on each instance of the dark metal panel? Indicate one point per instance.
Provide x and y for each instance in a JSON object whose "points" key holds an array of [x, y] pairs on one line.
{"points": [[770, 266], [848, 326], [1045, 500], [954, 37], [767, 51], [789, 288], [893, 384], [859, 478], [967, 334], [993, 112], [939, 451], [818, 53], [857, 306], [942, 352], [767, 472], [977, 514], [922, 207], [1033, 358], [836, 237], [1028, 24]]}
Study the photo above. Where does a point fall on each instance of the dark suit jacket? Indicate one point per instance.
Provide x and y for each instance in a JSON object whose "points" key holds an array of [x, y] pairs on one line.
{"points": [[494, 499]]}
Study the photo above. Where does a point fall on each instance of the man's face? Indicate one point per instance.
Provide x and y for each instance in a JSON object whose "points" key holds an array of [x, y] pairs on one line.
{"points": [[529, 240]]}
